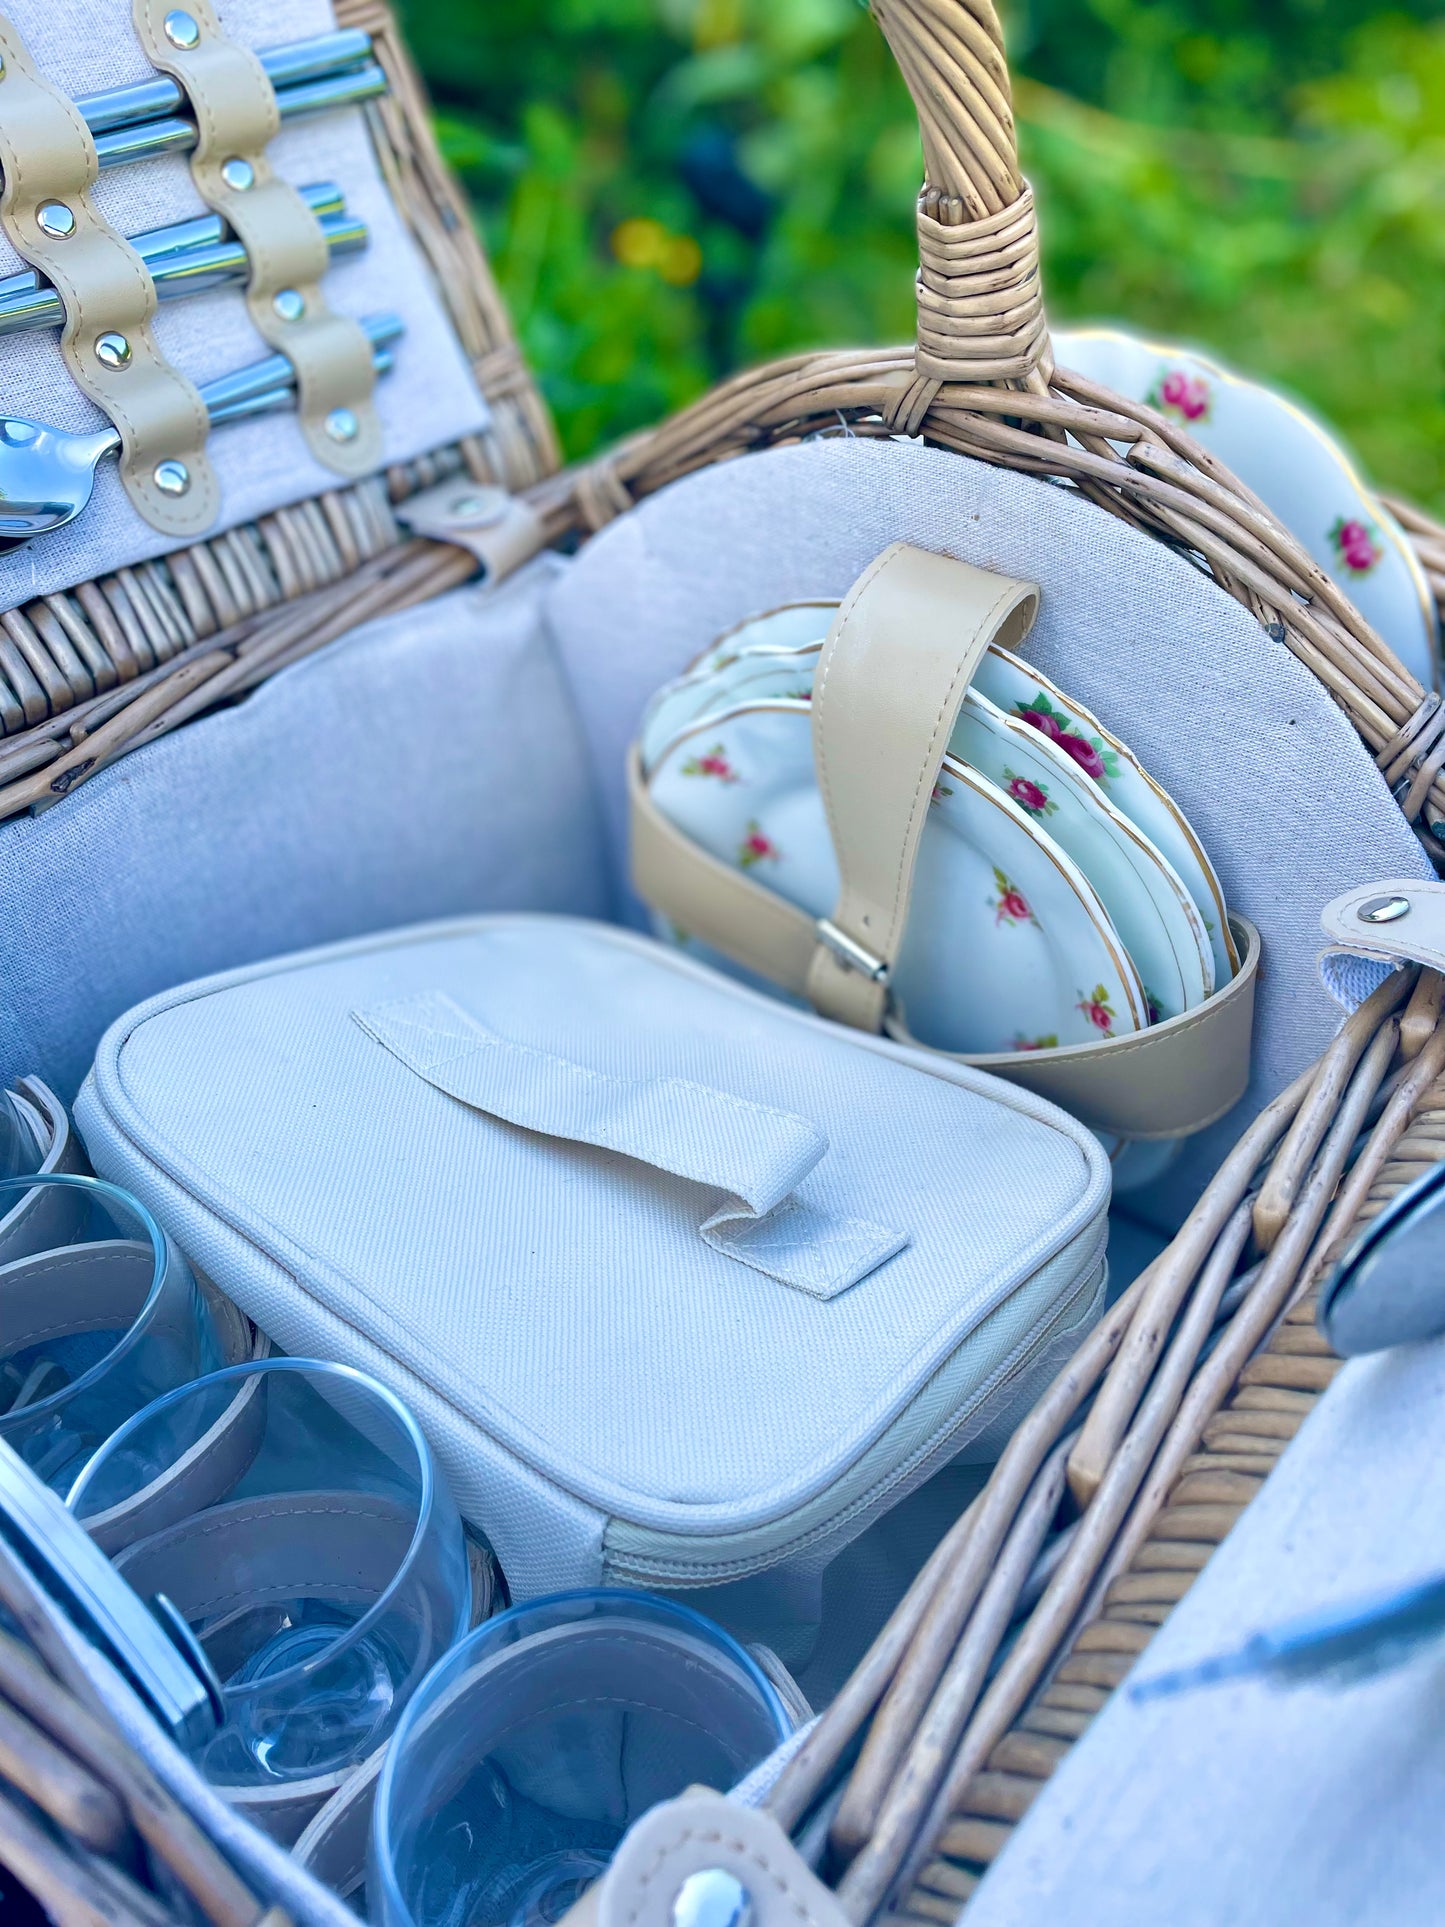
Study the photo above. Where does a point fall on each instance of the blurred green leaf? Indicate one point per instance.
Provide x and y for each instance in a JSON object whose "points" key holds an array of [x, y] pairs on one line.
{"points": [[1268, 182]]}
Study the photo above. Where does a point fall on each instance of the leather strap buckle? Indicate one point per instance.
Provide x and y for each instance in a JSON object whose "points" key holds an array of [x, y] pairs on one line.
{"points": [[852, 955]]}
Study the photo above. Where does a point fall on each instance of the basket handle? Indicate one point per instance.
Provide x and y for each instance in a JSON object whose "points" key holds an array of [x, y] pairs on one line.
{"points": [[980, 298]]}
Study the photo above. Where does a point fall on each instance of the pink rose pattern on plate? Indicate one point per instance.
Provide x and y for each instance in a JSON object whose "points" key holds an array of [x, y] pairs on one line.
{"points": [[1029, 795], [1354, 544], [1178, 393], [1091, 754], [756, 847], [712, 762], [1096, 1007], [1010, 906]]}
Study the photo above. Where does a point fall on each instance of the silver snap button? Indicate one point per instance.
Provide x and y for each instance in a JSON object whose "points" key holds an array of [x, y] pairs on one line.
{"points": [[238, 174], [55, 219], [342, 425], [1384, 910], [713, 1897], [172, 478], [181, 29], [288, 304], [483, 506], [112, 351]]}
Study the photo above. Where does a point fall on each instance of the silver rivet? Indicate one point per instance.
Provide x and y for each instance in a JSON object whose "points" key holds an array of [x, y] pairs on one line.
{"points": [[172, 478], [55, 219], [712, 1897], [342, 425], [112, 351], [482, 507], [181, 29], [289, 305], [238, 173], [1384, 910]]}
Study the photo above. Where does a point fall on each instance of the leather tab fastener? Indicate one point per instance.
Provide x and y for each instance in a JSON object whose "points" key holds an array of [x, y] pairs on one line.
{"points": [[703, 1848], [49, 162], [501, 530], [1400, 920], [236, 115]]}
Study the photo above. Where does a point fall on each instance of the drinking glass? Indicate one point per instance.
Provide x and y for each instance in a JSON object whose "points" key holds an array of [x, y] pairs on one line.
{"points": [[19, 1152], [536, 1743], [291, 1518], [99, 1314]]}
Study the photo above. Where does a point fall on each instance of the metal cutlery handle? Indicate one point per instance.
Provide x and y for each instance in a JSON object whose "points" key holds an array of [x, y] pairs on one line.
{"points": [[272, 400], [210, 257], [300, 60], [264, 384], [173, 134]]}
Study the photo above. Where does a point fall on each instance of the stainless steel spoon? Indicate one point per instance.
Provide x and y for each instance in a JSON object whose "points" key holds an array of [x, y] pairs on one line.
{"points": [[47, 475]]}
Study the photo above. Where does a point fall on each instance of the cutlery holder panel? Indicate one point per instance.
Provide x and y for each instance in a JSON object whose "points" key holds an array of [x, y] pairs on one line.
{"points": [[236, 115], [48, 156], [419, 261]]}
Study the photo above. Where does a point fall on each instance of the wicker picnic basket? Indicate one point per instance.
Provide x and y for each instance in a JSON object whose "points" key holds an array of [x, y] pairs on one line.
{"points": [[1177, 1433]]}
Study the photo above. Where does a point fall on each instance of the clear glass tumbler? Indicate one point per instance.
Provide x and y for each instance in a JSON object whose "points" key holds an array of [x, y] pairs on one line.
{"points": [[99, 1314], [19, 1151], [535, 1745], [306, 1537]]}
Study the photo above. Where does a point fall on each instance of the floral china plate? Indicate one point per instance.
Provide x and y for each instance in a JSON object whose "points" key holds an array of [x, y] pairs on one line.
{"points": [[1294, 465], [1018, 689], [774, 669], [1147, 901], [1008, 945], [1150, 907]]}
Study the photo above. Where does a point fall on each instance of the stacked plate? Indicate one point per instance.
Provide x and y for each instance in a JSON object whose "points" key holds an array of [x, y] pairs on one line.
{"points": [[1061, 896]]}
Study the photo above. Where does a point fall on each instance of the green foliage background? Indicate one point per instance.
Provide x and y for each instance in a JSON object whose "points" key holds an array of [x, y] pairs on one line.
{"points": [[1265, 178]]}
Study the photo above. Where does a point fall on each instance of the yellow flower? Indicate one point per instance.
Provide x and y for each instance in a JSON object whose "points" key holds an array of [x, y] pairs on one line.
{"points": [[644, 243]]}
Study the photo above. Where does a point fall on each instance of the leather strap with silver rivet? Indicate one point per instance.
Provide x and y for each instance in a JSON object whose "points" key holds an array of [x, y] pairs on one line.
{"points": [[236, 116], [48, 156]]}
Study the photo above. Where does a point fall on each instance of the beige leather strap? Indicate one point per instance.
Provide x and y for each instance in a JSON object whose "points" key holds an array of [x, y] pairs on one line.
{"points": [[1168, 1081], [721, 906], [49, 162], [890, 682], [236, 116]]}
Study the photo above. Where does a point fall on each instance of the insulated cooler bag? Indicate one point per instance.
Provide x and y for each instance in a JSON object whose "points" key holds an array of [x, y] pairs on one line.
{"points": [[684, 1284]]}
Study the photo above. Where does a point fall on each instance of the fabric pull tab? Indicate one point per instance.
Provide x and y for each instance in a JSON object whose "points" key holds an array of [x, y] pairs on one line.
{"points": [[754, 1153]]}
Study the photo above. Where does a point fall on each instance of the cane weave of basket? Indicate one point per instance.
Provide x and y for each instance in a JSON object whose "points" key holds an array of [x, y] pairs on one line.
{"points": [[1179, 1435]]}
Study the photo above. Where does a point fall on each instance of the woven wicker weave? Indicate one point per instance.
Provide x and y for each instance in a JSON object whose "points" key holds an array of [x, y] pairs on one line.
{"points": [[1174, 1446]]}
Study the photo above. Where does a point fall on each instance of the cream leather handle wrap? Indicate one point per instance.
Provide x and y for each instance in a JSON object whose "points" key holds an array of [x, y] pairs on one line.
{"points": [[911, 633], [890, 682]]}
